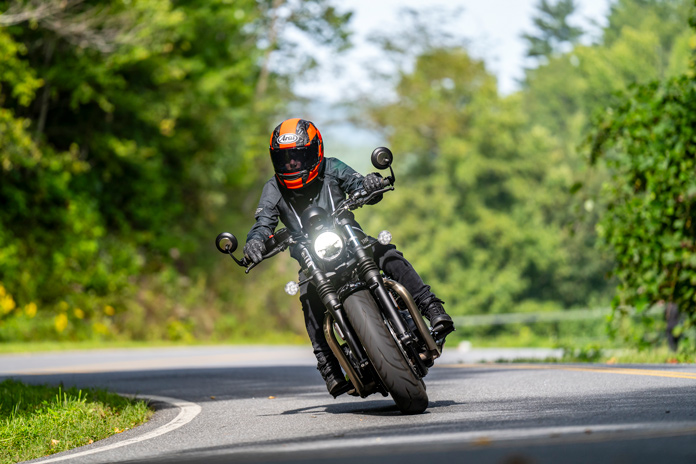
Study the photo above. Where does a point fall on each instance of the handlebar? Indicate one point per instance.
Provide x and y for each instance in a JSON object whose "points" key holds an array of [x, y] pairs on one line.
{"points": [[251, 265], [356, 200], [361, 197]]}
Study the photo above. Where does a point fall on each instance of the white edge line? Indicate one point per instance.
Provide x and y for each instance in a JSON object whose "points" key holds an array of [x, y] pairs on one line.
{"points": [[188, 411]]}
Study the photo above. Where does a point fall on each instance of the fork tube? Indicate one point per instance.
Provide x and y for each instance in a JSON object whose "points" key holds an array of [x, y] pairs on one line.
{"points": [[369, 272], [329, 297]]}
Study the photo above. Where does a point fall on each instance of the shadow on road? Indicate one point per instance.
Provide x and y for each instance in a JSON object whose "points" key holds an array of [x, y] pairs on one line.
{"points": [[376, 408]]}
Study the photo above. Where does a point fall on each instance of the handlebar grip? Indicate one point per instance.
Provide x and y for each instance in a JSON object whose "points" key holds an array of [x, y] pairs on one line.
{"points": [[252, 265], [386, 182]]}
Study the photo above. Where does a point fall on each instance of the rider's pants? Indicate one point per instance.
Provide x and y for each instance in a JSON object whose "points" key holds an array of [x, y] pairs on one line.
{"points": [[394, 265]]}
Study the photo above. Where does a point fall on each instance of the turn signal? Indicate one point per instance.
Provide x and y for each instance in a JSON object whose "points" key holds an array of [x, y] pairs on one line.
{"points": [[291, 288], [384, 237]]}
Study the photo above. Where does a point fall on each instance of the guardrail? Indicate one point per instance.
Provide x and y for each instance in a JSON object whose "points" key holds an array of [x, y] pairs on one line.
{"points": [[528, 318]]}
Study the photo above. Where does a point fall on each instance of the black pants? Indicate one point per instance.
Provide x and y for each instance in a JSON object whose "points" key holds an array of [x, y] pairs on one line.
{"points": [[392, 262]]}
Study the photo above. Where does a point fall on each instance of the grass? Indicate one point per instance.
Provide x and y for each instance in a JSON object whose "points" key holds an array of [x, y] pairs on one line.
{"points": [[583, 341], [32, 347], [526, 340], [660, 355], [588, 342], [39, 420]]}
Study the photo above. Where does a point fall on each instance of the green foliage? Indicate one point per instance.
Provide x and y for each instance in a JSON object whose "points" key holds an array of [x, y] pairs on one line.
{"points": [[644, 41], [590, 353], [470, 218], [500, 210], [124, 127], [559, 334], [648, 141], [131, 129], [38, 420]]}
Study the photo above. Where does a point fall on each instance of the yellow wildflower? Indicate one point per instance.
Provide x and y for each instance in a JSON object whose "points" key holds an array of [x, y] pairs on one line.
{"points": [[61, 322], [109, 310], [30, 309], [7, 304], [80, 314]]}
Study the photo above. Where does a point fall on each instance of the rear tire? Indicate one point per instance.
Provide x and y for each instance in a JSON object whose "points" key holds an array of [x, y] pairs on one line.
{"points": [[407, 390]]}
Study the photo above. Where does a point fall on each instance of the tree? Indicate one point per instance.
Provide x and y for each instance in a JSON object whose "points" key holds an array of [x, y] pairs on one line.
{"points": [[471, 174], [647, 138], [124, 125], [554, 33], [643, 41]]}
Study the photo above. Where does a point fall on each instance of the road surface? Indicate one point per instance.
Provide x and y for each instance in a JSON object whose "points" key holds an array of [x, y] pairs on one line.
{"points": [[268, 404]]}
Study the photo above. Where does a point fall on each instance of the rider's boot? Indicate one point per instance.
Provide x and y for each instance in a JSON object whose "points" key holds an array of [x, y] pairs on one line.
{"points": [[440, 321], [332, 374]]}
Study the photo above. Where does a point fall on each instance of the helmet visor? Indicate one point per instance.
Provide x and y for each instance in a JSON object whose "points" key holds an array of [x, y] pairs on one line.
{"points": [[292, 160]]}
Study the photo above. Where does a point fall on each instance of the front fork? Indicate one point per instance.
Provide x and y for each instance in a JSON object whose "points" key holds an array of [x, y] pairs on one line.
{"points": [[329, 297], [370, 274]]}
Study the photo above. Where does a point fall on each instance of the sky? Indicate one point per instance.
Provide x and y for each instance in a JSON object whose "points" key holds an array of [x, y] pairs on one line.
{"points": [[491, 29]]}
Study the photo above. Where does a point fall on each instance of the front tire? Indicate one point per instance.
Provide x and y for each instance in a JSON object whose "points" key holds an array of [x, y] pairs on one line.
{"points": [[407, 390]]}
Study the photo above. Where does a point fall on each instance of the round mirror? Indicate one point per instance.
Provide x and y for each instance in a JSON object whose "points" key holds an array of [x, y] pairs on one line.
{"points": [[226, 243], [382, 158]]}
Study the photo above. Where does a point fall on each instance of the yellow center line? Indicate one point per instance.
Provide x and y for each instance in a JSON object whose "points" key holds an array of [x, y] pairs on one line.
{"points": [[603, 370]]}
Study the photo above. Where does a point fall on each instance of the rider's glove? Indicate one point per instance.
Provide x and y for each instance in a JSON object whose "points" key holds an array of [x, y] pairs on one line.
{"points": [[254, 250], [372, 182]]}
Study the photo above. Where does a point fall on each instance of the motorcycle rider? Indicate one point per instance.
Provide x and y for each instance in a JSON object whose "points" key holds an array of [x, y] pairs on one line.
{"points": [[303, 178]]}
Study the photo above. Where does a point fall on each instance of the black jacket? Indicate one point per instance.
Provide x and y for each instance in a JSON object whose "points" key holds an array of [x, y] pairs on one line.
{"points": [[336, 180]]}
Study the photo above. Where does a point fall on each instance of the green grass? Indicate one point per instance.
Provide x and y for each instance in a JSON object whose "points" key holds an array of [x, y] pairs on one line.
{"points": [[31, 347], [659, 355], [584, 341], [38, 420]]}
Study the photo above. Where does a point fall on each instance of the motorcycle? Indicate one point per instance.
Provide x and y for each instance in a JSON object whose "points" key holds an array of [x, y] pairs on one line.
{"points": [[372, 323]]}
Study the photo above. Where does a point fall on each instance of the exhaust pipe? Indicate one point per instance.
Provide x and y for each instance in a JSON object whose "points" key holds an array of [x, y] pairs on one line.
{"points": [[433, 350], [341, 356]]}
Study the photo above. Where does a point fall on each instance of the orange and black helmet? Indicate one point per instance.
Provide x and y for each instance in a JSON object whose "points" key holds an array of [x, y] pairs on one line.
{"points": [[297, 151]]}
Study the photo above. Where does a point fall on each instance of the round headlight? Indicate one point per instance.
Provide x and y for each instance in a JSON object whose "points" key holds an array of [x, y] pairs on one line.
{"points": [[328, 246]]}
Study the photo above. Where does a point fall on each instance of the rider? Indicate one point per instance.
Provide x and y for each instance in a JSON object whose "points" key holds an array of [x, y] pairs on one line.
{"points": [[304, 177]]}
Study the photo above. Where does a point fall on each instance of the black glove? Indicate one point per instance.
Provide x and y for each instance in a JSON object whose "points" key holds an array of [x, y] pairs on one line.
{"points": [[254, 250], [372, 182]]}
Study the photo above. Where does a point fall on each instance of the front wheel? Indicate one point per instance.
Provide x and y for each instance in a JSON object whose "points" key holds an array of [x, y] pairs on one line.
{"points": [[407, 390]]}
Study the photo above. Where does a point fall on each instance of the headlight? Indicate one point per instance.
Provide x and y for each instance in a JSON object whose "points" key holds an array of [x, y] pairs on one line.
{"points": [[328, 246]]}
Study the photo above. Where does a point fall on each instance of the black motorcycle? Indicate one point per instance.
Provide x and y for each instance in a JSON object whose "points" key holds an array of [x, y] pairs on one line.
{"points": [[372, 323]]}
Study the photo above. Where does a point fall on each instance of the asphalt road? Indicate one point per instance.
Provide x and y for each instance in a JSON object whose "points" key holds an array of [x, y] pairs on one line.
{"points": [[270, 405]]}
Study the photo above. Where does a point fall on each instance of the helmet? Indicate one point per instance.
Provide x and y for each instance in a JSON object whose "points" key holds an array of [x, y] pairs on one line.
{"points": [[297, 151]]}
